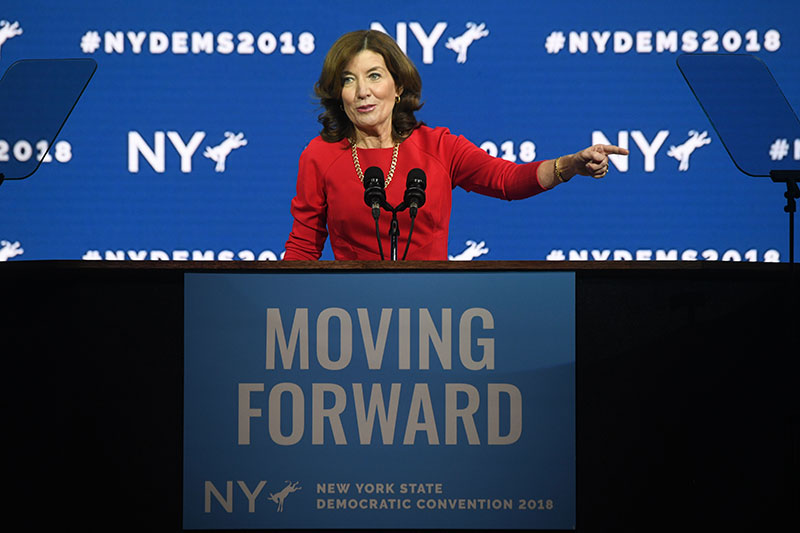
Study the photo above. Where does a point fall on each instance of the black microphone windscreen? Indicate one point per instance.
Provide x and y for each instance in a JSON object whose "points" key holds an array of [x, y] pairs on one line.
{"points": [[374, 194], [415, 189], [416, 178], [373, 176]]}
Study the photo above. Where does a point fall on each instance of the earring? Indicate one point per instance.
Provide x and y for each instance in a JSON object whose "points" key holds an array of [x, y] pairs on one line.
{"points": [[397, 99]]}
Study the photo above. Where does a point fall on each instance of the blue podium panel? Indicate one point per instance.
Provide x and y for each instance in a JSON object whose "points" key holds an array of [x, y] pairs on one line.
{"points": [[379, 400], [185, 144]]}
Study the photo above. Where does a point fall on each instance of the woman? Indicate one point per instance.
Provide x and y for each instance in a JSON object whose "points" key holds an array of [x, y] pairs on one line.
{"points": [[370, 90]]}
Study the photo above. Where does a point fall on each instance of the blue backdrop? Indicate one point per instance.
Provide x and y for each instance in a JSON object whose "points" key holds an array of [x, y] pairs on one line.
{"points": [[130, 180]]}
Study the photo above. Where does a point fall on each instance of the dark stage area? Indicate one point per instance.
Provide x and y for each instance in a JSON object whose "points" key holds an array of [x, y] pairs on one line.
{"points": [[686, 391]]}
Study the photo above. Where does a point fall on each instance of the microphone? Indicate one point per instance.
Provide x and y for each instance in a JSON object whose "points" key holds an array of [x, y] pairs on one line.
{"points": [[414, 198], [415, 190], [374, 193], [375, 196]]}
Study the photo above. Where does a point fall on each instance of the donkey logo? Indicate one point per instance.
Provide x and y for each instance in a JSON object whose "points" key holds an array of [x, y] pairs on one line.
{"points": [[9, 250], [281, 496], [8, 30], [473, 250], [460, 44], [219, 153], [682, 152]]}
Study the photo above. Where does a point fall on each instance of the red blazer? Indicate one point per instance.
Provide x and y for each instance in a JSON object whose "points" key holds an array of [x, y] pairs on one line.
{"points": [[330, 197]]}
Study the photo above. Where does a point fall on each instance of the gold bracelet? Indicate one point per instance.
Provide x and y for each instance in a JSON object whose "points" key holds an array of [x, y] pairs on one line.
{"points": [[558, 171]]}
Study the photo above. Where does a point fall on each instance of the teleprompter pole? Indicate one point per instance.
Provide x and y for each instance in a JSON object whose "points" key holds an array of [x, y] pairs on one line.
{"points": [[789, 177]]}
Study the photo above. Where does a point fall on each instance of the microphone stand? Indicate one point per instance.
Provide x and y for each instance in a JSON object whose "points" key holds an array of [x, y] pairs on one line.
{"points": [[394, 229], [376, 214], [414, 198], [410, 233]]}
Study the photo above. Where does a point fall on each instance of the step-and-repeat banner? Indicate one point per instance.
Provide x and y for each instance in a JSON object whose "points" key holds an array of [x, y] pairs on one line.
{"points": [[382, 400], [185, 144]]}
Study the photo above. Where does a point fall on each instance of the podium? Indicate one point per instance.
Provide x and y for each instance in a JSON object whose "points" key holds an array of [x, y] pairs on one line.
{"points": [[685, 398]]}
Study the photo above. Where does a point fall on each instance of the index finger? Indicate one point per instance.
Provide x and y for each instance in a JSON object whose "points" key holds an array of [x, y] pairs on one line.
{"points": [[611, 149]]}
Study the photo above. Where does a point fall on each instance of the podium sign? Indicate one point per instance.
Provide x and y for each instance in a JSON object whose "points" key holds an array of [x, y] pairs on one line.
{"points": [[379, 400]]}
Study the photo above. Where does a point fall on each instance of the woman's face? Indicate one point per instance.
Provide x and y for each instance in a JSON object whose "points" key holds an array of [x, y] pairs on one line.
{"points": [[368, 94]]}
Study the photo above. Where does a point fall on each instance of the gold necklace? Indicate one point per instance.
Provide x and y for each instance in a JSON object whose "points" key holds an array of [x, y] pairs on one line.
{"points": [[358, 165]]}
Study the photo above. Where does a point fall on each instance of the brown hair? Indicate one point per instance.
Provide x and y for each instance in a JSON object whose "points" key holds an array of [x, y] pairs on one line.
{"points": [[335, 124]]}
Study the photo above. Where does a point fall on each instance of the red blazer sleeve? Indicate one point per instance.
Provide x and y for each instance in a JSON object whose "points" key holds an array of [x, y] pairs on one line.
{"points": [[475, 170], [310, 211]]}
